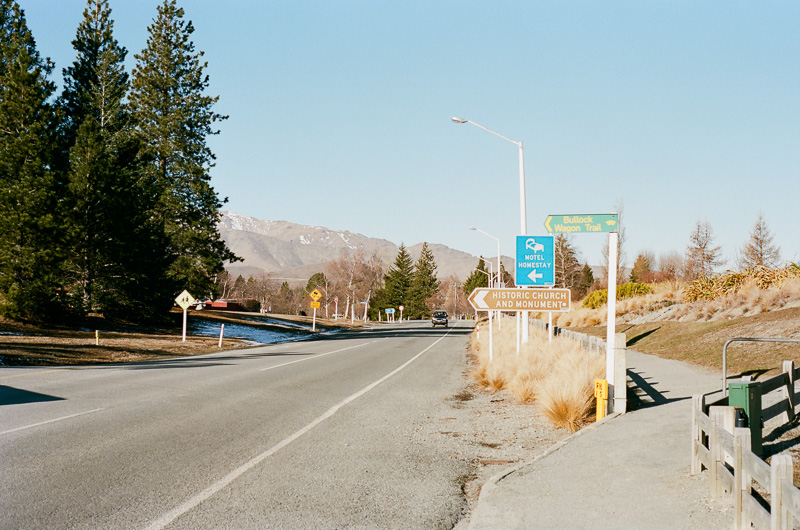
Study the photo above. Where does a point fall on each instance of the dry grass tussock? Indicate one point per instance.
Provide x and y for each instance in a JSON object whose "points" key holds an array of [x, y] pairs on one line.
{"points": [[558, 377], [667, 302], [664, 295]]}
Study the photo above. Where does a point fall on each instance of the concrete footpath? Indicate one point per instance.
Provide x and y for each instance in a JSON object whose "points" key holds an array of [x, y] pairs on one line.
{"points": [[628, 471]]}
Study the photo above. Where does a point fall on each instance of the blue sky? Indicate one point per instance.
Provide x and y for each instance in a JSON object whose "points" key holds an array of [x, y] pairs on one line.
{"points": [[340, 113]]}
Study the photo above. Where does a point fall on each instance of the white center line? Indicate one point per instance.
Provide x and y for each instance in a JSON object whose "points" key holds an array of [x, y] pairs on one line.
{"points": [[49, 421], [316, 356], [225, 481]]}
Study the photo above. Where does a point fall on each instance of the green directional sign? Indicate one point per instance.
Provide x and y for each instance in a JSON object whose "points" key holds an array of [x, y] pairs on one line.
{"points": [[582, 223]]}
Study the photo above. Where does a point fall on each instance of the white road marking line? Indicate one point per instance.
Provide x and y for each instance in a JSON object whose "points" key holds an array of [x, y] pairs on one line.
{"points": [[315, 356], [49, 421], [225, 481]]}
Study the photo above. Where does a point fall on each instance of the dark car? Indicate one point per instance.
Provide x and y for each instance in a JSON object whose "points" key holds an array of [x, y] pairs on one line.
{"points": [[439, 318]]}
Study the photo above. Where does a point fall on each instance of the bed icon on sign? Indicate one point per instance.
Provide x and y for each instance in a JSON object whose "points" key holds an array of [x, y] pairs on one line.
{"points": [[535, 261], [531, 244]]}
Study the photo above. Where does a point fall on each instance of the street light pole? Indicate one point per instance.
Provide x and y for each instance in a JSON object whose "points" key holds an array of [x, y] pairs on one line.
{"points": [[498, 281], [523, 217]]}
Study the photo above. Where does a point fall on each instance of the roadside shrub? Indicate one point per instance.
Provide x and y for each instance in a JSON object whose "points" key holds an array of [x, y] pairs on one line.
{"points": [[599, 298], [732, 282]]}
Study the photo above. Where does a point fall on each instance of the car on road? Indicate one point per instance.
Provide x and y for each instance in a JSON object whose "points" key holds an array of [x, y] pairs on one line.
{"points": [[439, 318]]}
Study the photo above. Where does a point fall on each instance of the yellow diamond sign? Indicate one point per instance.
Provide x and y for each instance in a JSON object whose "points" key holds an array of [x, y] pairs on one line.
{"points": [[316, 295], [185, 300]]}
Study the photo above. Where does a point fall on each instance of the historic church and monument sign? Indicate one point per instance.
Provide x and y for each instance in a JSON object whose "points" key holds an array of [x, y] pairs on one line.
{"points": [[485, 299]]}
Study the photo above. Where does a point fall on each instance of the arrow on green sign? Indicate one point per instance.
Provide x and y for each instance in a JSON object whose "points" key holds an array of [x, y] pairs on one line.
{"points": [[582, 223]]}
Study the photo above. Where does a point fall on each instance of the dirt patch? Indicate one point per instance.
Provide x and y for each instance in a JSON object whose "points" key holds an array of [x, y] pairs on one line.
{"points": [[99, 341], [492, 431]]}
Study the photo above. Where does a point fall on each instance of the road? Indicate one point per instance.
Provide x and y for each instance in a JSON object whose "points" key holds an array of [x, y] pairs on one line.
{"points": [[315, 434]]}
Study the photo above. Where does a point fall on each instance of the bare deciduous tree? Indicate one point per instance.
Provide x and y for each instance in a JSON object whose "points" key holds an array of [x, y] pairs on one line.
{"points": [[567, 268], [670, 265], [354, 277]]}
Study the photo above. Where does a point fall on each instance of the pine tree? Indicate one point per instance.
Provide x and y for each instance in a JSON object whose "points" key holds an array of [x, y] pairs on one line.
{"points": [[174, 118], [397, 281], [476, 278], [759, 250], [30, 236], [112, 243], [642, 271], [424, 284], [585, 283]]}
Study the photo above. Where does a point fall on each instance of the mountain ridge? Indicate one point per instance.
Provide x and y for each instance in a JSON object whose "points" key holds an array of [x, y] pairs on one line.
{"points": [[293, 252]]}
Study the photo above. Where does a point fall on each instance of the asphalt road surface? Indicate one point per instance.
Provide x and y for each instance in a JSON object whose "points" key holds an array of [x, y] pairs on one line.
{"points": [[314, 434]]}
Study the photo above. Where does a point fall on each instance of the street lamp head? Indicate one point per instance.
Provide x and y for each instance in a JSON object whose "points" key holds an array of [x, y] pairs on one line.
{"points": [[472, 228], [458, 120]]}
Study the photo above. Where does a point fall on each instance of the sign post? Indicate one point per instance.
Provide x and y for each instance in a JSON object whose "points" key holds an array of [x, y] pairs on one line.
{"points": [[401, 312], [593, 224], [315, 295], [184, 300]]}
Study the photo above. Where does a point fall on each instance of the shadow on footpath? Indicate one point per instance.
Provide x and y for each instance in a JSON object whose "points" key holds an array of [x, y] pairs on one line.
{"points": [[642, 392]]}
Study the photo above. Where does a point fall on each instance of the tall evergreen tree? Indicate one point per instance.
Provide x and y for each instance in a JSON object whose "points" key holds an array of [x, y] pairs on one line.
{"points": [[476, 278], [30, 238], [174, 118], [397, 282], [108, 231], [423, 284], [585, 282]]}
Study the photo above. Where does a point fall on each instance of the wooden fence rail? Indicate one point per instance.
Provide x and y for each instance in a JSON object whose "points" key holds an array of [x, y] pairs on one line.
{"points": [[735, 471]]}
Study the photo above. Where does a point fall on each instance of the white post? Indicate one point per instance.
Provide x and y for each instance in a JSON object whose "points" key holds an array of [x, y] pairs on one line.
{"points": [[336, 311], [184, 325], [221, 331], [314, 320], [549, 326], [620, 370], [519, 318], [612, 314], [523, 227], [491, 344]]}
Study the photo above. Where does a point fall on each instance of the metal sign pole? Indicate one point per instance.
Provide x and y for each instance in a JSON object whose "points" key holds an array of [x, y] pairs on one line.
{"points": [[184, 325], [611, 318]]}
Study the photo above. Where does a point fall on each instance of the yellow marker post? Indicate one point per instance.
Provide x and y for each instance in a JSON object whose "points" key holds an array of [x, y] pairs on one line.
{"points": [[97, 337], [601, 393]]}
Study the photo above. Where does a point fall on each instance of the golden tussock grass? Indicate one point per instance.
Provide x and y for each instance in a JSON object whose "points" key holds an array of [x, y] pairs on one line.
{"points": [[558, 376]]}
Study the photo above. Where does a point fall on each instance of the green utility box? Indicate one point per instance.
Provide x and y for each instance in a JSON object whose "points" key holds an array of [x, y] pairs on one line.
{"points": [[746, 395]]}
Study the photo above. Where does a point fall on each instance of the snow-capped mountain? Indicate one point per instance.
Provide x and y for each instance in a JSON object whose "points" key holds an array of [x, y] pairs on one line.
{"points": [[295, 252]]}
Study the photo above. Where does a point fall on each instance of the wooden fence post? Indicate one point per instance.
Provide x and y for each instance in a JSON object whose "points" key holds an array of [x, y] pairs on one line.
{"points": [[698, 400], [713, 449], [781, 470], [788, 369], [742, 482]]}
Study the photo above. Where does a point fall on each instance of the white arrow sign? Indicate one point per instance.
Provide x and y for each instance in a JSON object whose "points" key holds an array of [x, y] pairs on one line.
{"points": [[534, 276], [479, 301]]}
